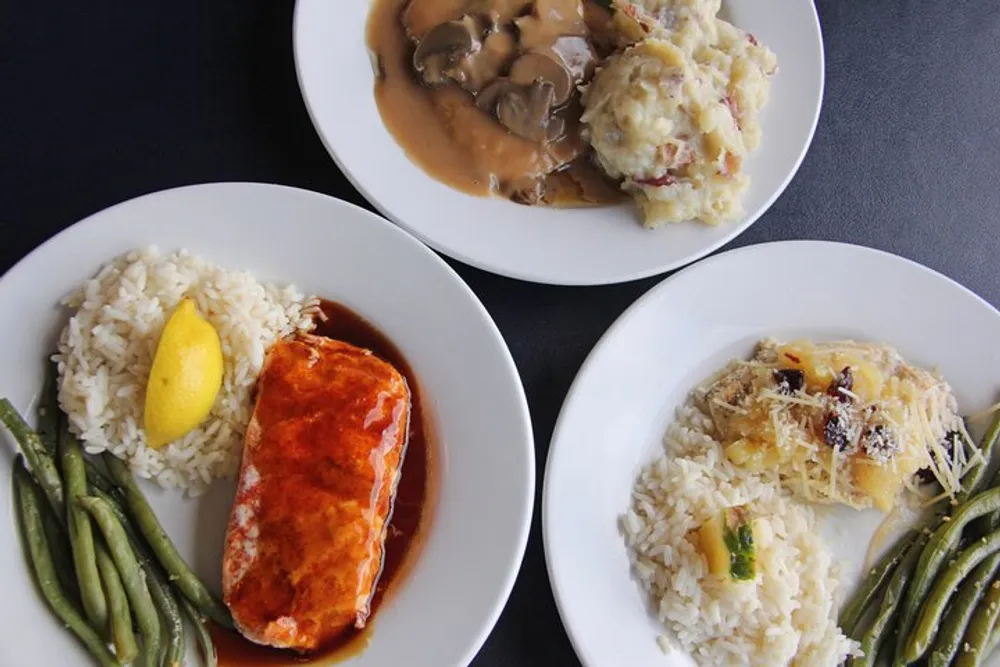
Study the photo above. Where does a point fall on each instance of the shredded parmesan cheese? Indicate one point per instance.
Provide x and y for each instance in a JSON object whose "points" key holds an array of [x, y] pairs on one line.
{"points": [[809, 401], [881, 419], [985, 413], [728, 406], [881, 534]]}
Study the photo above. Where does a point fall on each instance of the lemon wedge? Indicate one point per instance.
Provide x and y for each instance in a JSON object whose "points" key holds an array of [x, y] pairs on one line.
{"points": [[185, 378]]}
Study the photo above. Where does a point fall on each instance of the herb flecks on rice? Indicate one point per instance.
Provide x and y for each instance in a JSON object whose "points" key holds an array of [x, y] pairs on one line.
{"points": [[106, 350], [785, 614]]}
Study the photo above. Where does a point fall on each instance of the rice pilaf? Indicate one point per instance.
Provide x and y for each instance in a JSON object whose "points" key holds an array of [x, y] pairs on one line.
{"points": [[106, 350], [786, 615]]}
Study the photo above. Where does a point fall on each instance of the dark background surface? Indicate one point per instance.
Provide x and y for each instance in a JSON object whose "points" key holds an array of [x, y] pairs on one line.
{"points": [[101, 102]]}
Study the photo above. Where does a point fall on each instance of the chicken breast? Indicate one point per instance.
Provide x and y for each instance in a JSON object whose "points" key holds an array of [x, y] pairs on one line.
{"points": [[321, 463]]}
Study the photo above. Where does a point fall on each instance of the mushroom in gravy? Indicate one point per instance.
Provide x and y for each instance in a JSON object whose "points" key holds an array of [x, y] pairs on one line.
{"points": [[484, 94]]}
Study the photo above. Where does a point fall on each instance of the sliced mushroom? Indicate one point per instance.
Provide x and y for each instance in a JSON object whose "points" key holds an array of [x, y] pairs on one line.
{"points": [[527, 114], [489, 96], [555, 129], [441, 49], [479, 69], [577, 55], [540, 66], [523, 110]]}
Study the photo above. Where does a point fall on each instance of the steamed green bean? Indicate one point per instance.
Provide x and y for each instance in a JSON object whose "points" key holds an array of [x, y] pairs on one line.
{"points": [[81, 536], [41, 463], [936, 601], [132, 576], [30, 511], [119, 612], [180, 573]]}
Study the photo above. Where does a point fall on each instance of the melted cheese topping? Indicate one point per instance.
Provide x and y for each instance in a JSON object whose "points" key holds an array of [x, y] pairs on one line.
{"points": [[840, 422]]}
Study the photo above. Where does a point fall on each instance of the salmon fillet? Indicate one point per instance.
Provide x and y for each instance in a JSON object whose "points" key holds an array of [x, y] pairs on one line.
{"points": [[321, 463]]}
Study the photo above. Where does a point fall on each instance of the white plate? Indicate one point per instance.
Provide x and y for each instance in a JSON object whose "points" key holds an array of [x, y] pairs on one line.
{"points": [[621, 402], [560, 246], [445, 607]]}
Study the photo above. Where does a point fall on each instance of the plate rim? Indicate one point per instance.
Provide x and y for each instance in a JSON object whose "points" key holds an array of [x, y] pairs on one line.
{"points": [[538, 277], [620, 322], [525, 425]]}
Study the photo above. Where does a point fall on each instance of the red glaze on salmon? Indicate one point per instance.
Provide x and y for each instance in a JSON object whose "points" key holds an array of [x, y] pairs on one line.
{"points": [[321, 463]]}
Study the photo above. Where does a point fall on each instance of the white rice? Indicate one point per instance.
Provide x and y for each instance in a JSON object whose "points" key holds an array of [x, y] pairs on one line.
{"points": [[106, 351], [787, 616]]}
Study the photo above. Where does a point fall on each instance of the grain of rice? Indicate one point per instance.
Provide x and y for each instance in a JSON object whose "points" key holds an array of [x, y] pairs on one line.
{"points": [[786, 616], [106, 350]]}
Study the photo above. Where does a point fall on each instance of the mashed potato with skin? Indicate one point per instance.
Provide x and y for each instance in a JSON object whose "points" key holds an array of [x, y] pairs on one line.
{"points": [[659, 125], [739, 65], [676, 113], [684, 22]]}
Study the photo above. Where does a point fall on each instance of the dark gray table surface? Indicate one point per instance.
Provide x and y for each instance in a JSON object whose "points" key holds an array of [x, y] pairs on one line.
{"points": [[102, 101]]}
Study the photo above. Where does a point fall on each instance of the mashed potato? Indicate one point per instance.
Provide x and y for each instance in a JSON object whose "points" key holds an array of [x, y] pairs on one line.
{"points": [[739, 66], [675, 114], [687, 23]]}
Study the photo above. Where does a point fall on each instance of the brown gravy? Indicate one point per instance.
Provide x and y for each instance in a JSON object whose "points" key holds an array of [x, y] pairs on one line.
{"points": [[444, 132], [411, 514]]}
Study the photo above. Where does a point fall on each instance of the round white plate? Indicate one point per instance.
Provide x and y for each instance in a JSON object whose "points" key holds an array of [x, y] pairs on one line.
{"points": [[625, 395], [559, 246], [447, 605]]}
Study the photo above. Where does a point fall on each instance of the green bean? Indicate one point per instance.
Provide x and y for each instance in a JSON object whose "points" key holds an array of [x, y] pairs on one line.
{"points": [[125, 520], [97, 478], [988, 523], [936, 601], [994, 640], [952, 630], [178, 570], [972, 481], [159, 587], [977, 635], [131, 572], [877, 576], [62, 553], [30, 506], [941, 545], [907, 616], [202, 633], [171, 613], [166, 602], [881, 626], [983, 616], [122, 636], [951, 531], [56, 531], [48, 411], [42, 466], [81, 536]]}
